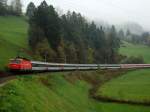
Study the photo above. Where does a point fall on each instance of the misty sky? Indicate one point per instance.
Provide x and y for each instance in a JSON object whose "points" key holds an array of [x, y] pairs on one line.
{"points": [[111, 11]]}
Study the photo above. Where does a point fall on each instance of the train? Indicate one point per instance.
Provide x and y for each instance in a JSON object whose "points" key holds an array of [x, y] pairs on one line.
{"points": [[22, 64]]}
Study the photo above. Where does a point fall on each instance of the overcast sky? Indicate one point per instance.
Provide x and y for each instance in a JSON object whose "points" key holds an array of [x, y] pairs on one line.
{"points": [[111, 11]]}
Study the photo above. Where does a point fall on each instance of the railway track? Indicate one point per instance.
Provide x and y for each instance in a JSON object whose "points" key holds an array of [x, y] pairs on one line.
{"points": [[5, 77]]}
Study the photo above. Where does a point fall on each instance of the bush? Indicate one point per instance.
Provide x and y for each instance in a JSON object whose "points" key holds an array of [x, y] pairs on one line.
{"points": [[133, 60]]}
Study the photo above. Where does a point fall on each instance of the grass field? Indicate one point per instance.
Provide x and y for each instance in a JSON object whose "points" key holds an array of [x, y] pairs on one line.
{"points": [[14, 30], [129, 49], [13, 37], [133, 86], [53, 93]]}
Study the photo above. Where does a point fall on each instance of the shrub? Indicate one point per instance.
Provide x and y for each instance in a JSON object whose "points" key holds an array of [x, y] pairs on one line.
{"points": [[133, 60]]}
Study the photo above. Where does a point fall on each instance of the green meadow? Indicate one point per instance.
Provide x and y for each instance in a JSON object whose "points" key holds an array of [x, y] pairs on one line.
{"points": [[132, 86], [13, 38], [129, 49]]}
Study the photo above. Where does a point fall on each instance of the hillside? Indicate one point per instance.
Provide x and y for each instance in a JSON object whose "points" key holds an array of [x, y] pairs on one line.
{"points": [[129, 49], [53, 93], [132, 86], [13, 37]]}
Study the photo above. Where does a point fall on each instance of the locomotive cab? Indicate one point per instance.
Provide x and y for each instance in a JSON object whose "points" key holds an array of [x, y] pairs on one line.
{"points": [[19, 64]]}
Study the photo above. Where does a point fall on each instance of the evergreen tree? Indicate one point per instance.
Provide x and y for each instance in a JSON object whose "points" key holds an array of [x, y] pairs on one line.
{"points": [[53, 28], [113, 45], [121, 34], [3, 7], [100, 46], [36, 35], [30, 10], [47, 19]]}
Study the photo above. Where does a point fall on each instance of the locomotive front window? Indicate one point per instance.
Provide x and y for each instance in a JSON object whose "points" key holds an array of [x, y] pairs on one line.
{"points": [[16, 61]]}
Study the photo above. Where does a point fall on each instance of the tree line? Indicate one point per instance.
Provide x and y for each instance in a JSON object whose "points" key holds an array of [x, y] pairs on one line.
{"points": [[70, 37], [143, 38], [14, 8]]}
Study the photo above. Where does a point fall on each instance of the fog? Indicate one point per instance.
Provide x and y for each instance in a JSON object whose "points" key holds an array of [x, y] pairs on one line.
{"points": [[111, 11]]}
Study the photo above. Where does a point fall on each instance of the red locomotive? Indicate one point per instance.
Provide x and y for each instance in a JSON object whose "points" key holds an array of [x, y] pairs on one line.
{"points": [[19, 64]]}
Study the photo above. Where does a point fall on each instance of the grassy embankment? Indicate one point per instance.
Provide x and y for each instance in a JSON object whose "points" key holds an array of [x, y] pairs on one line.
{"points": [[134, 85], [13, 37], [53, 93]]}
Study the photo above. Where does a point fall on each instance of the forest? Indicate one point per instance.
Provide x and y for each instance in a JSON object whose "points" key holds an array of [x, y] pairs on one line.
{"points": [[14, 8], [70, 37]]}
